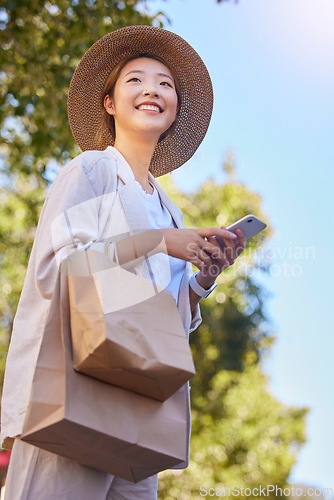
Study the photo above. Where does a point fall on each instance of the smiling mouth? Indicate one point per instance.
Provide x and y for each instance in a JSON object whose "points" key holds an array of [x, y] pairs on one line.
{"points": [[149, 107]]}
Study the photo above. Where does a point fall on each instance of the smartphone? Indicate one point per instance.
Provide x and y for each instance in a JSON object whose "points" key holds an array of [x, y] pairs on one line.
{"points": [[250, 225]]}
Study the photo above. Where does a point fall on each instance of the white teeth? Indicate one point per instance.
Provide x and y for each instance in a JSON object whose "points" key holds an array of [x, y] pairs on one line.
{"points": [[150, 107]]}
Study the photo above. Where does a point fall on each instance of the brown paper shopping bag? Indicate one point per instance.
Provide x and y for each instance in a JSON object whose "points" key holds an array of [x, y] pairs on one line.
{"points": [[95, 423], [126, 330]]}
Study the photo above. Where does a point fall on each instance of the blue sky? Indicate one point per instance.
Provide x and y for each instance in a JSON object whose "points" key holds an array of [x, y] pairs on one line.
{"points": [[272, 67]]}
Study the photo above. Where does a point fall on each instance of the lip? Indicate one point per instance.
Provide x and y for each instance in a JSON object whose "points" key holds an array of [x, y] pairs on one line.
{"points": [[150, 103]]}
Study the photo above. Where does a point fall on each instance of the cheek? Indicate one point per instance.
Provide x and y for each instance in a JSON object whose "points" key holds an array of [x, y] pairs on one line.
{"points": [[119, 97], [173, 104]]}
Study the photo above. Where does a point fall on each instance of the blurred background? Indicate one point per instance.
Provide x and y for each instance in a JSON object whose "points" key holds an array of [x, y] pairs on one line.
{"points": [[262, 397]]}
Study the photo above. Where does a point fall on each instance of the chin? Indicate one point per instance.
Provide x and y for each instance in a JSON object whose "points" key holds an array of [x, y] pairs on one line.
{"points": [[154, 132]]}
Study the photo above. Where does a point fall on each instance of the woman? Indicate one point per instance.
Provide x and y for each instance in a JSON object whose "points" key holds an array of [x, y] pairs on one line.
{"points": [[139, 105]]}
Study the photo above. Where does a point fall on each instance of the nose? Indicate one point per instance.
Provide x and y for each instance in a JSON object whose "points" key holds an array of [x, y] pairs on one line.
{"points": [[151, 91]]}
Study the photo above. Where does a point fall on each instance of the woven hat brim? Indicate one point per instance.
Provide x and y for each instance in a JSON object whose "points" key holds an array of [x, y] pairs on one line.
{"points": [[87, 84]]}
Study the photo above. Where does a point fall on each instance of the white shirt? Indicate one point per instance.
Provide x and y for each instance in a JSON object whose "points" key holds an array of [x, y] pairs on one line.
{"points": [[159, 218]]}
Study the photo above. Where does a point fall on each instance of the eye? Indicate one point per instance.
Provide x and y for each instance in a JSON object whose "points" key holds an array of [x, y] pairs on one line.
{"points": [[134, 79], [166, 83]]}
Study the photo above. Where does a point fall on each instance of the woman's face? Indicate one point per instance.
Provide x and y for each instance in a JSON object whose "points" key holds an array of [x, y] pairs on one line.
{"points": [[144, 101]]}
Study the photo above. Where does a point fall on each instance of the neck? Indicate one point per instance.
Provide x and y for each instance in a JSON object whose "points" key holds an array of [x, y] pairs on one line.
{"points": [[138, 153]]}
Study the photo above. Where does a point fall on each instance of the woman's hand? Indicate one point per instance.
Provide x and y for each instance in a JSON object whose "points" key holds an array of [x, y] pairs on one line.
{"points": [[200, 248], [217, 261], [232, 250], [197, 246]]}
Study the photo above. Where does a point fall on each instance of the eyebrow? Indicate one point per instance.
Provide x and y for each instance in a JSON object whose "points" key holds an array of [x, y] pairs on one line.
{"points": [[140, 71]]}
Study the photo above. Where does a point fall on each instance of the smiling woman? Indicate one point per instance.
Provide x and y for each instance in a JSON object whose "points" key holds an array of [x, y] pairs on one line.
{"points": [[144, 88], [142, 105], [152, 115], [107, 119]]}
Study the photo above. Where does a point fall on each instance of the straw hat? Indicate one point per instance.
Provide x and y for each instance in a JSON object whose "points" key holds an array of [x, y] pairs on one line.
{"points": [[84, 107]]}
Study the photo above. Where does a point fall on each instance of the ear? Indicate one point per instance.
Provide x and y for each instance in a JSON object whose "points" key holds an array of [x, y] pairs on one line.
{"points": [[109, 105]]}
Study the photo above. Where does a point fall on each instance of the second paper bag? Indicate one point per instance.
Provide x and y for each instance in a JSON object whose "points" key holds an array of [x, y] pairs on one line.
{"points": [[126, 330]]}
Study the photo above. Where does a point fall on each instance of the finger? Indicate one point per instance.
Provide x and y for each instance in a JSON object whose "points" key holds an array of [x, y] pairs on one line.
{"points": [[242, 241], [220, 240], [215, 249], [198, 263], [198, 251], [239, 249], [229, 250], [228, 254], [215, 231], [239, 245], [211, 248], [241, 237], [204, 255], [218, 261], [222, 243], [218, 246]]}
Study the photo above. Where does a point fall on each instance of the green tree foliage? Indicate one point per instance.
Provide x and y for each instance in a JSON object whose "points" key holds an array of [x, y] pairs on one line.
{"points": [[252, 442], [241, 434]]}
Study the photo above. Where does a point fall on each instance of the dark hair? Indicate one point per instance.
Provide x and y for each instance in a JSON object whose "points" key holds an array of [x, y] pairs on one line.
{"points": [[107, 121]]}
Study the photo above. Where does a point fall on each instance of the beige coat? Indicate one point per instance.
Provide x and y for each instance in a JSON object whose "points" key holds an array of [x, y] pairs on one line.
{"points": [[86, 205]]}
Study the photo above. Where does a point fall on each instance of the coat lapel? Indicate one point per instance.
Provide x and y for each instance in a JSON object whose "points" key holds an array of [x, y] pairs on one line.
{"points": [[132, 202], [134, 208]]}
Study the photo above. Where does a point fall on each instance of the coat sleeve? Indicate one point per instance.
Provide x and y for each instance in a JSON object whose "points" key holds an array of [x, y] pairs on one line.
{"points": [[71, 216]]}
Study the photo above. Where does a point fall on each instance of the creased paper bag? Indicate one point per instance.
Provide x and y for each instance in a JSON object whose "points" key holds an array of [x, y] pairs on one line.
{"points": [[126, 330]]}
